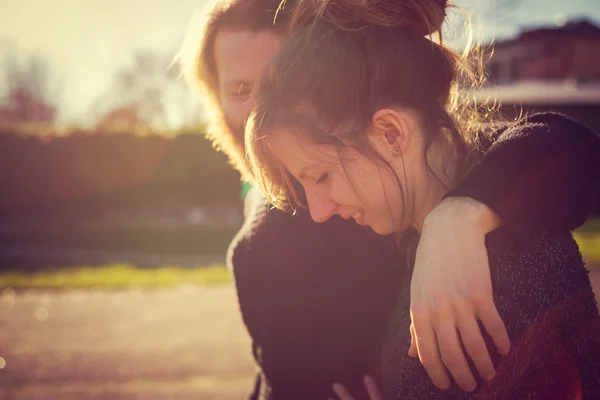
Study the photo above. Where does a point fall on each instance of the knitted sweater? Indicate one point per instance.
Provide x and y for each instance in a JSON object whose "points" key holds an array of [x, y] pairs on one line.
{"points": [[317, 298], [543, 294]]}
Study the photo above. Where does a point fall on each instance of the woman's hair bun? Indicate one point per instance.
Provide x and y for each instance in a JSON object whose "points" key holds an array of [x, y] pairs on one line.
{"points": [[423, 17]]}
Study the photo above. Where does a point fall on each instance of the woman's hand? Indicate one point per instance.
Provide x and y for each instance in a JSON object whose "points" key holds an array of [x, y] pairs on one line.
{"points": [[370, 385], [451, 290]]}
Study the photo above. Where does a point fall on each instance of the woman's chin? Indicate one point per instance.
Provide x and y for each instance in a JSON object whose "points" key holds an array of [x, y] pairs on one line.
{"points": [[383, 229]]}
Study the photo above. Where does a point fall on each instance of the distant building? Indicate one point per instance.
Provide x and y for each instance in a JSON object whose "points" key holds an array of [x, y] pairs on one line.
{"points": [[570, 52], [547, 69]]}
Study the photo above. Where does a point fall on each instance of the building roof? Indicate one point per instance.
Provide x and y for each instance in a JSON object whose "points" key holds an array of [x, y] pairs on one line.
{"points": [[541, 93], [579, 28]]}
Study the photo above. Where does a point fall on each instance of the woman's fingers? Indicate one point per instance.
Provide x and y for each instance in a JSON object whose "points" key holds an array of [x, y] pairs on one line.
{"points": [[442, 343], [453, 355], [372, 389], [494, 326], [474, 344], [412, 351], [341, 392], [476, 349], [428, 350]]}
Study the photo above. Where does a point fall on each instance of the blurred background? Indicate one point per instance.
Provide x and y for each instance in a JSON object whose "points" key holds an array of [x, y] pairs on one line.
{"points": [[115, 212]]}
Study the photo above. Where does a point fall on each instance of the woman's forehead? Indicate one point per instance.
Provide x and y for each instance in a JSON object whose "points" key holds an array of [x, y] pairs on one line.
{"points": [[297, 152]]}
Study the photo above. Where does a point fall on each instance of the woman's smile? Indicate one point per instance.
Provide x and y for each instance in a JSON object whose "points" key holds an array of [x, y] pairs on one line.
{"points": [[359, 217]]}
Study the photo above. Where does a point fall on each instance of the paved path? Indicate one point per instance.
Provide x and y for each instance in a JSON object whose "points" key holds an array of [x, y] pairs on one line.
{"points": [[187, 343], [184, 343]]}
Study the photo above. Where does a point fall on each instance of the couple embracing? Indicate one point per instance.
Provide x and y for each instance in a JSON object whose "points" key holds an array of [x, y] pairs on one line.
{"points": [[399, 241]]}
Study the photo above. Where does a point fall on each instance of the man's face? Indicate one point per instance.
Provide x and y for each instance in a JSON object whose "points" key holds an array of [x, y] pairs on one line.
{"points": [[240, 57]]}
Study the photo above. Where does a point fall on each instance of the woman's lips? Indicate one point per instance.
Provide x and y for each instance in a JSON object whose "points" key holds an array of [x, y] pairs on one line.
{"points": [[359, 217]]}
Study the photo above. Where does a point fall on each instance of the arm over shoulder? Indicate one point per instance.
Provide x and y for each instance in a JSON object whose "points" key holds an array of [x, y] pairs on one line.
{"points": [[540, 174]]}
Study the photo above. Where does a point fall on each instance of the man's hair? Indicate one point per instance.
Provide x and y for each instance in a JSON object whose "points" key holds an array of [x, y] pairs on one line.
{"points": [[197, 60]]}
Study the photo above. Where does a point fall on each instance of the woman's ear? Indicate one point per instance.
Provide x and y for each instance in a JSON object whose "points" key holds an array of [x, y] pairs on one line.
{"points": [[393, 130]]}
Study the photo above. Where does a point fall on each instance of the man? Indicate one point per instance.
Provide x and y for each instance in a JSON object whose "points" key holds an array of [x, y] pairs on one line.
{"points": [[316, 301]]}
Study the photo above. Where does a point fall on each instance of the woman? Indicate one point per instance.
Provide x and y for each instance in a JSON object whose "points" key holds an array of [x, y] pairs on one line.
{"points": [[362, 110]]}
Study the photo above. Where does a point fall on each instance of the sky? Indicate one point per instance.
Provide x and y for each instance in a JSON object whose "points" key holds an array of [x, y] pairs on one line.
{"points": [[87, 41]]}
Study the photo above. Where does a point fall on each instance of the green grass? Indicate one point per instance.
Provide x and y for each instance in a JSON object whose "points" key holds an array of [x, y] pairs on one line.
{"points": [[589, 246], [591, 227], [588, 239], [114, 276], [126, 276]]}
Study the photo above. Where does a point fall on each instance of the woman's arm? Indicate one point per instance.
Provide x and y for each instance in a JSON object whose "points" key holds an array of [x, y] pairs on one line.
{"points": [[538, 175]]}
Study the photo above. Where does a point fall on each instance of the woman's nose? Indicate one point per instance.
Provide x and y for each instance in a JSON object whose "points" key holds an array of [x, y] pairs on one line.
{"points": [[320, 205]]}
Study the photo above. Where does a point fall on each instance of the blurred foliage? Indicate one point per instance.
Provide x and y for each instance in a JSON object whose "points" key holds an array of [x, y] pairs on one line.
{"points": [[592, 226], [588, 239], [180, 241], [25, 91], [149, 91], [590, 248], [89, 171]]}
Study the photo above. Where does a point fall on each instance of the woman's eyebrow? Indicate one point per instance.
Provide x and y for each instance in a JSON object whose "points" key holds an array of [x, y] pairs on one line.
{"points": [[304, 170], [302, 173]]}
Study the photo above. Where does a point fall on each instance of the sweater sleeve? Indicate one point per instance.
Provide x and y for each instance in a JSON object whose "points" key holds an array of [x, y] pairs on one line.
{"points": [[539, 175]]}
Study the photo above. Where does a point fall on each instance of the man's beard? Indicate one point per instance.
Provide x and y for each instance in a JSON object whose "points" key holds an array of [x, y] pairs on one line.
{"points": [[235, 131], [230, 140]]}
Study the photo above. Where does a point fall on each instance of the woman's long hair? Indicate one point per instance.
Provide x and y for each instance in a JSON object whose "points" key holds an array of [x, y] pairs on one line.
{"points": [[346, 59]]}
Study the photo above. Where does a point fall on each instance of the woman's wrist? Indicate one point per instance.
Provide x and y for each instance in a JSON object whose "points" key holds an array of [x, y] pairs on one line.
{"points": [[458, 211]]}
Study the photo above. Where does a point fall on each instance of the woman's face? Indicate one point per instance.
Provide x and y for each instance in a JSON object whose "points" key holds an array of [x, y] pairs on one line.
{"points": [[358, 188]]}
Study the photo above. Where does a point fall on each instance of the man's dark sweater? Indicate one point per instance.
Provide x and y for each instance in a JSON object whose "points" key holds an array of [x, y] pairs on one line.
{"points": [[317, 298]]}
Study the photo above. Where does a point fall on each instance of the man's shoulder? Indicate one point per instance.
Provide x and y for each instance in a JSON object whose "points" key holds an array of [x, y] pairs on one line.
{"points": [[543, 122]]}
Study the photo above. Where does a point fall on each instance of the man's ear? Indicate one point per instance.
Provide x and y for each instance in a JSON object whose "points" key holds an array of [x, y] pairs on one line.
{"points": [[393, 130]]}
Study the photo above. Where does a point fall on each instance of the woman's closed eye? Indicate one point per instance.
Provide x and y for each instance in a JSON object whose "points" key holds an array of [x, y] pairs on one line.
{"points": [[323, 178], [243, 91]]}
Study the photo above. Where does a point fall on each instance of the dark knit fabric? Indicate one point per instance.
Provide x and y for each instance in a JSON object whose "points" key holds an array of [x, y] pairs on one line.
{"points": [[540, 174], [317, 298], [545, 298]]}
